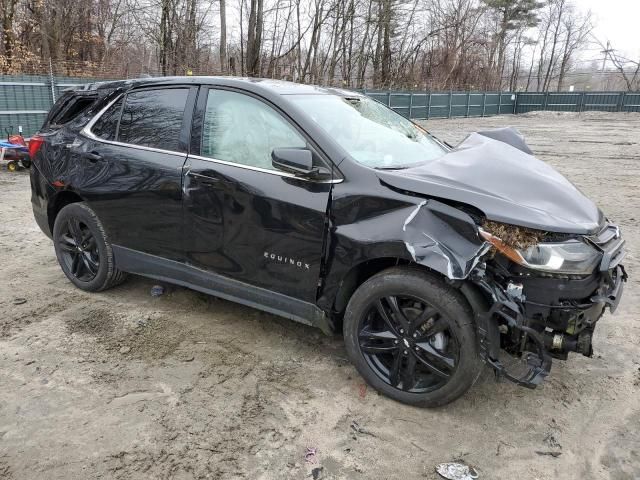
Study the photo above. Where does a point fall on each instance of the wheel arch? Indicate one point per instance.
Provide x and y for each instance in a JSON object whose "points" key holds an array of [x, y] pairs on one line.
{"points": [[60, 200], [360, 273], [363, 271]]}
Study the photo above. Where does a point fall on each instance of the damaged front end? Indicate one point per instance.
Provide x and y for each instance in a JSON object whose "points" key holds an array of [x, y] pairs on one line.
{"points": [[535, 259], [547, 292], [537, 291], [536, 295]]}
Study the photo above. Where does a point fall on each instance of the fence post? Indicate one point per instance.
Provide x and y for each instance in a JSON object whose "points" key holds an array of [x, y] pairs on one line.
{"points": [[621, 102], [468, 102], [52, 82], [581, 103], [484, 102], [410, 105], [450, 102], [515, 102], [545, 100], [429, 105], [389, 99], [500, 103]]}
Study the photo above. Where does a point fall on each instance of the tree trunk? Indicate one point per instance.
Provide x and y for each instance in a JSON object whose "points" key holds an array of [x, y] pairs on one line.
{"points": [[223, 36], [386, 45]]}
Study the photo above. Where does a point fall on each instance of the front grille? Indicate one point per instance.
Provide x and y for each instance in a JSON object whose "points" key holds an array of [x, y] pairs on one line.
{"points": [[611, 244]]}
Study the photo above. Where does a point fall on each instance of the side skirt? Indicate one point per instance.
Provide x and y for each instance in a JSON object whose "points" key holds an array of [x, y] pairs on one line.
{"points": [[178, 273]]}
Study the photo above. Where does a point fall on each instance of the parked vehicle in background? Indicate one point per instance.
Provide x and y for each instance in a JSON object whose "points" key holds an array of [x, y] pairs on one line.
{"points": [[326, 207]]}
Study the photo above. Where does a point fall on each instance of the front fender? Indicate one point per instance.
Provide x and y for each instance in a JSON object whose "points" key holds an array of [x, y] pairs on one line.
{"points": [[425, 232], [443, 238]]}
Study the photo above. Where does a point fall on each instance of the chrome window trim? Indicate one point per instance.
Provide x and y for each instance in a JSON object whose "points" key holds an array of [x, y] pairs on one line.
{"points": [[86, 131], [90, 135], [279, 173]]}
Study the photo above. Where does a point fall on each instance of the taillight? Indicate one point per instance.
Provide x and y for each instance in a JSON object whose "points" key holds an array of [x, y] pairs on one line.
{"points": [[34, 145]]}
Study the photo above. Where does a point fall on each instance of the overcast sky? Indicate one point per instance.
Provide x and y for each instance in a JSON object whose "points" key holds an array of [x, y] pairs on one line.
{"points": [[617, 21]]}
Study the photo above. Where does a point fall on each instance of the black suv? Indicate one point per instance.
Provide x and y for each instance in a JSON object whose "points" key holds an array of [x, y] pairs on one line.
{"points": [[326, 207]]}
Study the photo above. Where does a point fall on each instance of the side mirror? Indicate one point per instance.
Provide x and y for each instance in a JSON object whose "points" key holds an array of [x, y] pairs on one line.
{"points": [[293, 160]]}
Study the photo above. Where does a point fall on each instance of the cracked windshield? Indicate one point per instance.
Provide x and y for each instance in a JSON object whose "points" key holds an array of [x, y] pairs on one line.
{"points": [[371, 133]]}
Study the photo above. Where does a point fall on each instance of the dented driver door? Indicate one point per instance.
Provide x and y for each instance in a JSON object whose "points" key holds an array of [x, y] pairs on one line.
{"points": [[244, 219]]}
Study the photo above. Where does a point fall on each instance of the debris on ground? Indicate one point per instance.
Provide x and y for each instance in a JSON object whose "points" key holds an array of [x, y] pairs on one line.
{"points": [[358, 429], [552, 441], [19, 301], [125, 350], [311, 455], [316, 473], [157, 291], [499, 447], [362, 391], [551, 454], [456, 471], [513, 236]]}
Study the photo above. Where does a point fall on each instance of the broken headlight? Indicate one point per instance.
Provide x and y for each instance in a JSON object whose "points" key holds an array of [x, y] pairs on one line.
{"points": [[569, 257]]}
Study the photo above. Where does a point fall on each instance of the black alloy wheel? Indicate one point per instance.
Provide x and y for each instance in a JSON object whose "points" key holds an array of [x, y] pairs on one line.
{"points": [[79, 250], [412, 337], [408, 343], [83, 249]]}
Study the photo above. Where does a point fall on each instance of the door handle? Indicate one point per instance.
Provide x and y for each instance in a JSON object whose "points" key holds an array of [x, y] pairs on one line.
{"points": [[93, 157], [203, 178]]}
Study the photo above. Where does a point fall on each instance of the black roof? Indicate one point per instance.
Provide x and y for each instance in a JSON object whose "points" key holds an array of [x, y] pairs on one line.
{"points": [[279, 87]]}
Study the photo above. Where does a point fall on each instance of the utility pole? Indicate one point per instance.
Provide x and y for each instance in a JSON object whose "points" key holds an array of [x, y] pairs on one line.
{"points": [[606, 52]]}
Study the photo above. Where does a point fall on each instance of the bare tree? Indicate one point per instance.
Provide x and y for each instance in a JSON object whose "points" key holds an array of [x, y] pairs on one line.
{"points": [[422, 44]]}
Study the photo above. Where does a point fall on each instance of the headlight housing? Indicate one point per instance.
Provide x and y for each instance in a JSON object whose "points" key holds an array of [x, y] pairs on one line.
{"points": [[569, 257], [572, 256]]}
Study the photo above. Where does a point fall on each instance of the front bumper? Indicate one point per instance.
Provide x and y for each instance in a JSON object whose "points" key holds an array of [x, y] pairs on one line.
{"points": [[522, 323]]}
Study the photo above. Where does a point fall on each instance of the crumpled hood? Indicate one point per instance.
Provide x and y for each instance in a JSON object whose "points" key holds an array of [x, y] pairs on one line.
{"points": [[505, 183]]}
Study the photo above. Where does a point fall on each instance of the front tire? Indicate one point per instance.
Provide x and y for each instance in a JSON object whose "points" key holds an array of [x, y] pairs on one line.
{"points": [[412, 337], [83, 250]]}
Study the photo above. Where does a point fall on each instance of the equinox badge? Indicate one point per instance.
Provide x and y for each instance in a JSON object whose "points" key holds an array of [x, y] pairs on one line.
{"points": [[286, 260]]}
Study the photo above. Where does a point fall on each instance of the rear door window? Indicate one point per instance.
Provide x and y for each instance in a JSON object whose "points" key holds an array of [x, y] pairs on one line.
{"points": [[73, 110], [107, 125], [153, 118]]}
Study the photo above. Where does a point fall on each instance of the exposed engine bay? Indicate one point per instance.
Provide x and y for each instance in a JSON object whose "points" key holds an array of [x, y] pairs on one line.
{"points": [[538, 315]]}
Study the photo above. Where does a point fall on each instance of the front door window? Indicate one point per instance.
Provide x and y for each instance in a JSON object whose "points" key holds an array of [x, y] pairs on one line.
{"points": [[241, 129]]}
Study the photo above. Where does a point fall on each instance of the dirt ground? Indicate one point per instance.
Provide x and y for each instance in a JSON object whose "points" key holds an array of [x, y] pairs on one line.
{"points": [[125, 385]]}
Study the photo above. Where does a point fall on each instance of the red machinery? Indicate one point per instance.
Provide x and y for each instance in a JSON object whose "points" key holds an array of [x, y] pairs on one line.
{"points": [[15, 151]]}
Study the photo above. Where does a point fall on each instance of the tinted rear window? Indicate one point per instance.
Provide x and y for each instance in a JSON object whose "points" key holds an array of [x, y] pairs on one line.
{"points": [[77, 106], [107, 124], [153, 118]]}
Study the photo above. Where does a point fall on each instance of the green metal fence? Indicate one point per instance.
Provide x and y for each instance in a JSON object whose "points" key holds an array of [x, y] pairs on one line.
{"points": [[25, 101], [426, 105], [579, 102]]}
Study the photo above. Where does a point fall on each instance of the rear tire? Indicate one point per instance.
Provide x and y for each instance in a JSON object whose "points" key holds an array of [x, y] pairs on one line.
{"points": [[83, 250], [412, 337]]}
